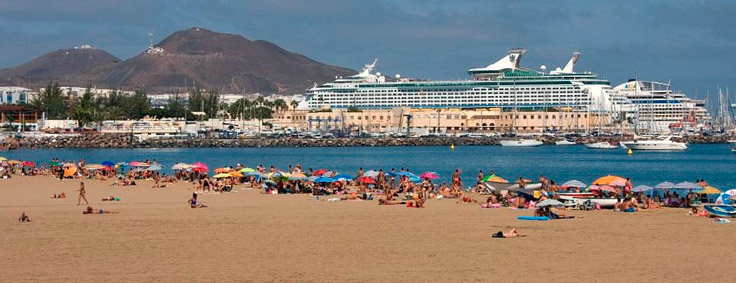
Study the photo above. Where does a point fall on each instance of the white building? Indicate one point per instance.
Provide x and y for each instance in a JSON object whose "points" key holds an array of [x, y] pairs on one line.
{"points": [[14, 95]]}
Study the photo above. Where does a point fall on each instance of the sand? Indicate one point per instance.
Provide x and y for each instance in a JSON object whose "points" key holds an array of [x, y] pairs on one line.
{"points": [[251, 237]]}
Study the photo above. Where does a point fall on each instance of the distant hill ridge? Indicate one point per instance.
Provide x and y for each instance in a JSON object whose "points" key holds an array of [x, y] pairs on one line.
{"points": [[226, 62]]}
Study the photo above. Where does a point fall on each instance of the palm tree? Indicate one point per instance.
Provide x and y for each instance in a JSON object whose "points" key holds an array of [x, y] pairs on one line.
{"points": [[294, 104]]}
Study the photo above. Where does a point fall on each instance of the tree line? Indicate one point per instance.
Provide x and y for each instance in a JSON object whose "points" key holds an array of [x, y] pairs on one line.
{"points": [[89, 108]]}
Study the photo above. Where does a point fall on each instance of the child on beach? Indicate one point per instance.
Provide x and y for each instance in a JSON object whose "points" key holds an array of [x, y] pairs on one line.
{"points": [[193, 202]]}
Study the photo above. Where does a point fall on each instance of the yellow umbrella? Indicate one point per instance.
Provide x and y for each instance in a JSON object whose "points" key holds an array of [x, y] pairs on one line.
{"points": [[3, 158], [711, 191], [222, 175]]}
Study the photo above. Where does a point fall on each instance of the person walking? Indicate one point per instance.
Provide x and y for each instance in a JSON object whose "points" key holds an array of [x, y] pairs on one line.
{"points": [[82, 194]]}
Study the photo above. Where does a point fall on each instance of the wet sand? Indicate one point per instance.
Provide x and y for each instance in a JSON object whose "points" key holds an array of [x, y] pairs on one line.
{"points": [[251, 237]]}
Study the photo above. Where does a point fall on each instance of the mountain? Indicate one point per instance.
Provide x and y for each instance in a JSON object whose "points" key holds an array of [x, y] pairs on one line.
{"points": [[226, 62], [75, 67]]}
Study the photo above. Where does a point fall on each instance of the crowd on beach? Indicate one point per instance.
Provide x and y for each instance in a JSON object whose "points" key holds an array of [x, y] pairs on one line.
{"points": [[391, 187]]}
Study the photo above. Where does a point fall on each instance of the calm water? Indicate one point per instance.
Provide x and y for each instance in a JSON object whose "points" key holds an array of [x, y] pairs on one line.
{"points": [[715, 162]]}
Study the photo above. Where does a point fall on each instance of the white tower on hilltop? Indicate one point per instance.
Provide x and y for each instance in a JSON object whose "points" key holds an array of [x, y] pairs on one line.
{"points": [[153, 49]]}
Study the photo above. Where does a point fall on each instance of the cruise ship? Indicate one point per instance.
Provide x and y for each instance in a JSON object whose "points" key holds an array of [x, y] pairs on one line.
{"points": [[503, 84], [662, 110]]}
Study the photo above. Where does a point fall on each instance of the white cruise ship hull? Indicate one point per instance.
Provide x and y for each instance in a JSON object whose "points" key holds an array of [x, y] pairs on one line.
{"points": [[521, 143]]}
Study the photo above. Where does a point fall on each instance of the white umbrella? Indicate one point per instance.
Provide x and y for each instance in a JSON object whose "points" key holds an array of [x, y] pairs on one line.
{"points": [[574, 184], [641, 189], [687, 186], [180, 166], [371, 174], [549, 202], [665, 185]]}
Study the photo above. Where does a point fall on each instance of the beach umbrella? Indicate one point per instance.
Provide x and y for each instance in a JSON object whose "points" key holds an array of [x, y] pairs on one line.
{"points": [[429, 175], [199, 165], [3, 158], [236, 174], [573, 184], [14, 162], [366, 180], [272, 182], [610, 180], [319, 172], [297, 177], [313, 178], [687, 186], [726, 197], [549, 202], [601, 188], [139, 164], [122, 164], [277, 175], [69, 165], [711, 191], [641, 189], [222, 175], [371, 174], [254, 173], [247, 170], [223, 170], [155, 167], [94, 166], [665, 185], [330, 173], [343, 177], [495, 178], [322, 179], [70, 171], [55, 163], [180, 166], [108, 163], [28, 164]]}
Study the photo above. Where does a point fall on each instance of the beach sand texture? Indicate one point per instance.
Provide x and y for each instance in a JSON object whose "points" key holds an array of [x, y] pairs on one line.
{"points": [[251, 237]]}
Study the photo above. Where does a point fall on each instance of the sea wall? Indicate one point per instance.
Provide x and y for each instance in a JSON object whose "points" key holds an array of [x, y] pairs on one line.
{"points": [[127, 141]]}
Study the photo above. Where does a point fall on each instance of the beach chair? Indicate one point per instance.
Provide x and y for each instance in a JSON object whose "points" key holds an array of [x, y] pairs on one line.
{"points": [[587, 205]]}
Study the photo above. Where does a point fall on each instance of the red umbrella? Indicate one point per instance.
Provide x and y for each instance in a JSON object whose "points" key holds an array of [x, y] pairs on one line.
{"points": [[366, 180], [200, 166], [319, 172], [28, 164]]}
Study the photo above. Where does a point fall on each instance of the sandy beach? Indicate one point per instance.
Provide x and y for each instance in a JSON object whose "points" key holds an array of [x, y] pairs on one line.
{"points": [[251, 237]]}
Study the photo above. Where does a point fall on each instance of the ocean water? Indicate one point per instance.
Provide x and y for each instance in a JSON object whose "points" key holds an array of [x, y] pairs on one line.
{"points": [[712, 162]]}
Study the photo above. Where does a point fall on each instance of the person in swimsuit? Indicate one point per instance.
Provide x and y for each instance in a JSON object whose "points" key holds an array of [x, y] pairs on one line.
{"points": [[82, 194], [91, 210], [193, 202], [510, 234], [24, 218]]}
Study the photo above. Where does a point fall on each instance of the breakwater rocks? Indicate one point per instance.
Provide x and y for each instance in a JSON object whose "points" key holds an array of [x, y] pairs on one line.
{"points": [[127, 141]]}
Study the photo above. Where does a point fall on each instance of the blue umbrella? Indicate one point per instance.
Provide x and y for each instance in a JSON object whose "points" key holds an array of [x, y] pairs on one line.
{"points": [[324, 180], [254, 173], [313, 178], [108, 163]]}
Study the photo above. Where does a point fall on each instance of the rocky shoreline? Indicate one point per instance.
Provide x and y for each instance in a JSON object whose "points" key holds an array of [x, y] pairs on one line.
{"points": [[127, 141]]}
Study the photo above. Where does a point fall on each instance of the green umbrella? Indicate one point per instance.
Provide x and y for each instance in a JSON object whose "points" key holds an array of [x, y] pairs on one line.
{"points": [[247, 170]]}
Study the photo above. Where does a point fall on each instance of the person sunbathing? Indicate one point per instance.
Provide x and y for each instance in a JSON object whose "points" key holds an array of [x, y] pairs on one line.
{"points": [[110, 198], [389, 202], [546, 211], [91, 210], [510, 234]]}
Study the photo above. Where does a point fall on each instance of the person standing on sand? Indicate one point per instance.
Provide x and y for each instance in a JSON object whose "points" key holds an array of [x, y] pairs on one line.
{"points": [[82, 194]]}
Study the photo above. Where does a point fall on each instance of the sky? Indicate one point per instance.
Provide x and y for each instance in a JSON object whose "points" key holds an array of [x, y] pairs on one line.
{"points": [[691, 43]]}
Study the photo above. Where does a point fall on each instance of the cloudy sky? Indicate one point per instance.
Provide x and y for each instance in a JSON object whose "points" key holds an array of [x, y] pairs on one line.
{"points": [[690, 42]]}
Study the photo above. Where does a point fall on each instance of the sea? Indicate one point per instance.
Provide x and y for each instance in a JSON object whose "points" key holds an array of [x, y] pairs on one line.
{"points": [[713, 162]]}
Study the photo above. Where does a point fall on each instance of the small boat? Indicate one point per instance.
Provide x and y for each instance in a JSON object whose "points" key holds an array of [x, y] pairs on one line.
{"points": [[565, 142], [655, 144], [601, 145], [571, 196], [721, 210], [603, 202], [733, 150], [732, 141], [521, 143]]}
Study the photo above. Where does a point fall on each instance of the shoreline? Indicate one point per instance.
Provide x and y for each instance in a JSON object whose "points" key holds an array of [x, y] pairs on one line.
{"points": [[128, 141]]}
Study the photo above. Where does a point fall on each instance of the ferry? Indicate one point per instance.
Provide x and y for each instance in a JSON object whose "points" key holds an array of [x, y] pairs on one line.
{"points": [[503, 84]]}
